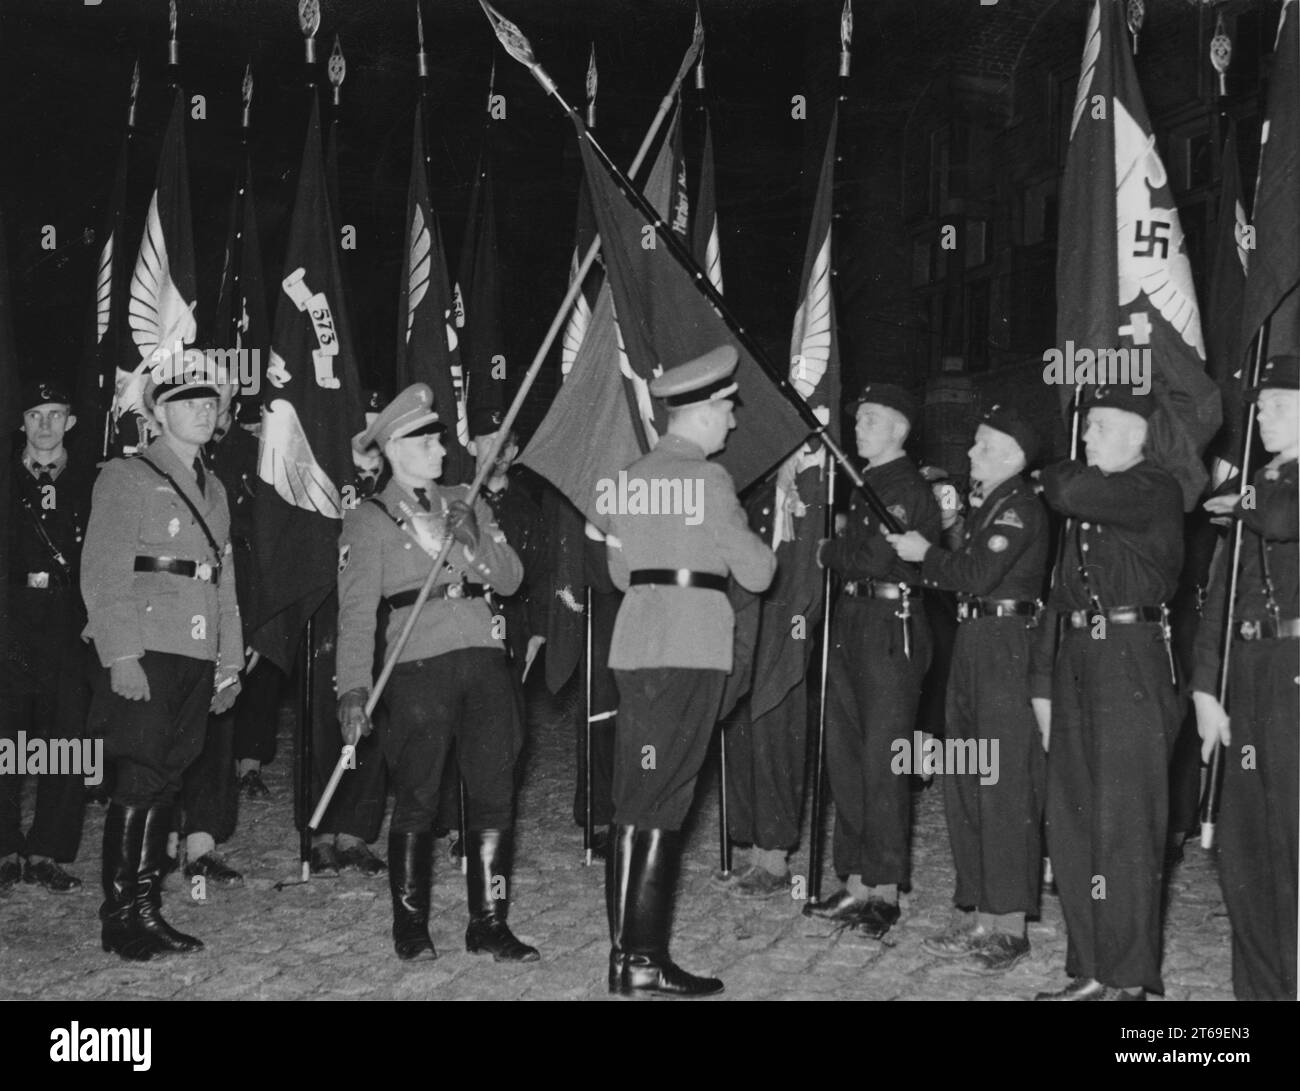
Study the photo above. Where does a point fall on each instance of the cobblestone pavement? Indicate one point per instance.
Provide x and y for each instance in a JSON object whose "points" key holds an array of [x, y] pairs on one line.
{"points": [[330, 938]]}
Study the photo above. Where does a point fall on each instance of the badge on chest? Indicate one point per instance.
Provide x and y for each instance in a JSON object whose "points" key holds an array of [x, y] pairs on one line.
{"points": [[429, 529]]}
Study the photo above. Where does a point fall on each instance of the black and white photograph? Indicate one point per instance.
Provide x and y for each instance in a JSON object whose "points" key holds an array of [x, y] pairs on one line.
{"points": [[572, 500]]}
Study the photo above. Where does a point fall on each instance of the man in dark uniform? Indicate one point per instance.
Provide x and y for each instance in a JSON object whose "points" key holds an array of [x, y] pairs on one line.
{"points": [[452, 679], [671, 652], [159, 588], [1256, 833], [45, 696], [880, 652], [1113, 712], [993, 816]]}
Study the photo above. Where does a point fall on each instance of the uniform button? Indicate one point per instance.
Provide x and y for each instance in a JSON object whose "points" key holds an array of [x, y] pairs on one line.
{"points": [[1086, 526], [767, 511]]}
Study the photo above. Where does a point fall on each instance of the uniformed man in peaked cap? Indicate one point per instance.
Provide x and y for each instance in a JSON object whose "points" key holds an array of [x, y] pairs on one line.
{"points": [[1108, 704], [1256, 833], [452, 679], [994, 802], [676, 536], [43, 688], [880, 651], [159, 586]]}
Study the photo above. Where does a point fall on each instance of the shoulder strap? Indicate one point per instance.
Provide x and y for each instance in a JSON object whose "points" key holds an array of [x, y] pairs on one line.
{"points": [[46, 541], [384, 508], [203, 526]]}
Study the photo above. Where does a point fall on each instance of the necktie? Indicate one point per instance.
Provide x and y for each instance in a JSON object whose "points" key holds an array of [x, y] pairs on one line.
{"points": [[44, 477], [200, 476], [422, 495]]}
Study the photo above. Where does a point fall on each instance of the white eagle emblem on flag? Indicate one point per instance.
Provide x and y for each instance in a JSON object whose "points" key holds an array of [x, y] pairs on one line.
{"points": [[287, 463]]}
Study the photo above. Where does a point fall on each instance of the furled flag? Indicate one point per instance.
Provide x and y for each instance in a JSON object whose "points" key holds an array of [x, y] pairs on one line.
{"points": [[427, 341], [160, 308], [106, 346], [666, 320], [311, 408], [240, 324], [705, 244], [483, 339], [1123, 280], [1273, 283], [799, 500], [1227, 354]]}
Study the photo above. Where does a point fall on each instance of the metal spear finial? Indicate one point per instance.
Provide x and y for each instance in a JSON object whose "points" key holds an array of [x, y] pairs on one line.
{"points": [[337, 68], [846, 39], [1221, 53], [517, 45], [697, 35], [1136, 14], [309, 21], [135, 92], [173, 46], [248, 95], [592, 83], [421, 57]]}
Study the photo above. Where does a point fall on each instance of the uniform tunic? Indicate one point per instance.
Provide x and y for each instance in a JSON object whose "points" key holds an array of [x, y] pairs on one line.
{"points": [[180, 628], [873, 687], [1114, 718], [994, 827], [1256, 834], [452, 680], [44, 693], [673, 646]]}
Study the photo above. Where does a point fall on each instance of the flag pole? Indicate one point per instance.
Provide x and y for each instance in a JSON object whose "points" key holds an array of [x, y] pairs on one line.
{"points": [[1214, 779], [514, 42], [561, 315], [588, 827]]}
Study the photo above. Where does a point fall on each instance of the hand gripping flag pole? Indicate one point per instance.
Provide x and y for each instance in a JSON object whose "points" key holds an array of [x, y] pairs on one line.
{"points": [[347, 755]]}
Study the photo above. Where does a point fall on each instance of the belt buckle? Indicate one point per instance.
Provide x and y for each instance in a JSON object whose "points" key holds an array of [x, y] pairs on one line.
{"points": [[963, 611], [1250, 630], [39, 581], [455, 591], [203, 571]]}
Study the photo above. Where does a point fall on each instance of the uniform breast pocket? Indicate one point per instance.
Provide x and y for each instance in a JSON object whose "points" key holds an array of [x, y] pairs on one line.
{"points": [[164, 518]]}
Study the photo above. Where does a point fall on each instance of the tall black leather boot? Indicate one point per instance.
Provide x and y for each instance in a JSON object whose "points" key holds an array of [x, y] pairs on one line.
{"points": [[647, 967], [410, 869], [487, 882], [618, 862], [122, 934], [149, 880]]}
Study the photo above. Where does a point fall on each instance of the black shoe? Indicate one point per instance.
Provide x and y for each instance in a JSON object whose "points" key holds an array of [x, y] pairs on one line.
{"points": [[1086, 988], [998, 952], [123, 836], [325, 859], [646, 967], [213, 868], [487, 885], [358, 857], [148, 884], [618, 861], [841, 907], [252, 786], [49, 875], [410, 871], [878, 917], [11, 873], [600, 844]]}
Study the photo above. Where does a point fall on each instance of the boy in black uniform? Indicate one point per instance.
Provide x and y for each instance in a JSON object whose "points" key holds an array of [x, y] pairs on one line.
{"points": [[880, 652], [1257, 820], [993, 823], [1109, 707], [46, 694]]}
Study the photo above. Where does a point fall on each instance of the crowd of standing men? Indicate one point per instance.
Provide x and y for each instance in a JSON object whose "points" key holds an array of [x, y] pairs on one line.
{"points": [[128, 589]]}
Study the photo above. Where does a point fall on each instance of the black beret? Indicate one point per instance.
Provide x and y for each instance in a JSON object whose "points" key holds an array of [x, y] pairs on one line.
{"points": [[1280, 373], [1008, 420], [1122, 397], [891, 396], [43, 392]]}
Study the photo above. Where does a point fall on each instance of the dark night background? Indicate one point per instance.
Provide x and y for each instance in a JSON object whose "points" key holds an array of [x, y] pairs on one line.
{"points": [[952, 116]]}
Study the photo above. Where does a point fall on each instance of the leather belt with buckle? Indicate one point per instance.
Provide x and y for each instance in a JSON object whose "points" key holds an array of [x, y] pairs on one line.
{"points": [[973, 608], [443, 591], [1117, 615], [678, 577], [36, 581], [1269, 629], [877, 589], [193, 570]]}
